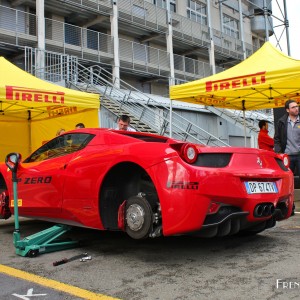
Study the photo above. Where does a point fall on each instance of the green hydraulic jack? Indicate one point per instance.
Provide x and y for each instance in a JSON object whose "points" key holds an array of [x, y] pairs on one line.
{"points": [[41, 242]]}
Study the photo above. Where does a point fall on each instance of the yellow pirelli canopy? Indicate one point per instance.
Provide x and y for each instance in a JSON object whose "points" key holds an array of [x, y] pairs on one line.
{"points": [[19, 90], [264, 80], [32, 110]]}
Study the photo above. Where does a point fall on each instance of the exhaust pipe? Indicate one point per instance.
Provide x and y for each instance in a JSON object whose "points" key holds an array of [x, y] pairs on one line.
{"points": [[264, 210], [258, 211], [272, 208], [281, 210]]}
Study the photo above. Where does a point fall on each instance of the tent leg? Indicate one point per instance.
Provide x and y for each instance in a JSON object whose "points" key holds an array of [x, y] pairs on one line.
{"points": [[245, 131], [171, 109]]}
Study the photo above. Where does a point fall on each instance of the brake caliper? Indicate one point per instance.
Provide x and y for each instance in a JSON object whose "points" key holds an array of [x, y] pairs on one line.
{"points": [[5, 212]]}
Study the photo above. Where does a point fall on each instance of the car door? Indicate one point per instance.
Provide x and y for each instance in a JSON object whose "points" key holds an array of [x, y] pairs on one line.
{"points": [[41, 176]]}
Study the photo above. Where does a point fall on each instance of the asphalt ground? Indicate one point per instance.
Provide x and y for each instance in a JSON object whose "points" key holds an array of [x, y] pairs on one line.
{"points": [[265, 266], [19, 281]]}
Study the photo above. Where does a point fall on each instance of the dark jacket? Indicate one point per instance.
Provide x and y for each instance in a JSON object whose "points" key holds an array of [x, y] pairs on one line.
{"points": [[280, 137]]}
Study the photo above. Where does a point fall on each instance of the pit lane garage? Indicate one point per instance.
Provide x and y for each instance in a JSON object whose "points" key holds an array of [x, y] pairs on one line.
{"points": [[149, 185]]}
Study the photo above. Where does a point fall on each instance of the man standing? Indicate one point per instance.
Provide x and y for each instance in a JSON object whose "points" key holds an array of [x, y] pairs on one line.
{"points": [[287, 135], [123, 123], [264, 140]]}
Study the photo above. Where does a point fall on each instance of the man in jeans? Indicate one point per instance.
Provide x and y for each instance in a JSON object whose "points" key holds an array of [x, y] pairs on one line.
{"points": [[287, 135]]}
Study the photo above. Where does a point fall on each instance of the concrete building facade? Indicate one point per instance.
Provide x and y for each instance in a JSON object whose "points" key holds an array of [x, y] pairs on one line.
{"points": [[148, 43]]}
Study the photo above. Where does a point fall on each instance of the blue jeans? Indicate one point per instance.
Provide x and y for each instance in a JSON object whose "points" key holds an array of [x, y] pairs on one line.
{"points": [[295, 164]]}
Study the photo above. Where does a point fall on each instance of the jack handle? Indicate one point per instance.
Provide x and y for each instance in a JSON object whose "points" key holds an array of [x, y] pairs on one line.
{"points": [[12, 161]]}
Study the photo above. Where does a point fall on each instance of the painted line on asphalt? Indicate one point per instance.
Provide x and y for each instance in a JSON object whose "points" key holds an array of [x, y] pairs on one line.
{"points": [[56, 285]]}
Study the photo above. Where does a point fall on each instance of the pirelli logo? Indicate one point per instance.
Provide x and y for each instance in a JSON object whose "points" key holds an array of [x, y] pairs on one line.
{"points": [[235, 82], [183, 185], [17, 93]]}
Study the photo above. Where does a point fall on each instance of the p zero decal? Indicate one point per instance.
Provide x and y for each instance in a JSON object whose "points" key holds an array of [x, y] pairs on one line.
{"points": [[36, 180], [32, 95], [183, 185], [60, 111], [211, 101], [280, 101], [235, 82]]}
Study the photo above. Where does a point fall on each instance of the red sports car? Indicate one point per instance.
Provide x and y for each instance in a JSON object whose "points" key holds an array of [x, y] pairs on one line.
{"points": [[150, 185]]}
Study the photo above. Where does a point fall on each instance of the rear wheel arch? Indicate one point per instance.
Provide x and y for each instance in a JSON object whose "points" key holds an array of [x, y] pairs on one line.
{"points": [[122, 182]]}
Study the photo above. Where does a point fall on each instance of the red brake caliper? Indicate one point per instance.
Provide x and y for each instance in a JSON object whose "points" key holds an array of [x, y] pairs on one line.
{"points": [[5, 212], [121, 216]]}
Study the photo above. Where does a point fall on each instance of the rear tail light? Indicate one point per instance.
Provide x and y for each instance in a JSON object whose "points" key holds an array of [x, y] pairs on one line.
{"points": [[283, 161], [286, 160], [189, 153]]}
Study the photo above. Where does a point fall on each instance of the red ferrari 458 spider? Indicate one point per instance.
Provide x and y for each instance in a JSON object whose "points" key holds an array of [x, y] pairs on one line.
{"points": [[149, 185]]}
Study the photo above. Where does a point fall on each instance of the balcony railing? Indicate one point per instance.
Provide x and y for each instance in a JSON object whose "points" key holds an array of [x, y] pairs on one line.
{"points": [[145, 14], [93, 5], [19, 28]]}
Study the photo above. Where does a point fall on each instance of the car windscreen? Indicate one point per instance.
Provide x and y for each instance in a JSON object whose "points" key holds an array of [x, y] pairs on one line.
{"points": [[61, 145]]}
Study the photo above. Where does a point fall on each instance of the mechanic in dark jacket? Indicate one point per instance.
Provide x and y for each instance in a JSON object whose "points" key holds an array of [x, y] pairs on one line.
{"points": [[287, 135]]}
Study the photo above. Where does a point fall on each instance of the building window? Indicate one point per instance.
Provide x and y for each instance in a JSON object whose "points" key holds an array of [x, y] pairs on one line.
{"points": [[231, 26], [227, 44], [139, 11], [163, 4], [72, 34], [196, 11], [140, 52]]}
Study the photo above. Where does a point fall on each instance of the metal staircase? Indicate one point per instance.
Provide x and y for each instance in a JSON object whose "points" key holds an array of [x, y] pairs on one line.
{"points": [[237, 118], [146, 113], [116, 111]]}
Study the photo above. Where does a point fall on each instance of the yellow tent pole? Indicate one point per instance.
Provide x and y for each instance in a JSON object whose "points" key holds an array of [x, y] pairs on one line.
{"points": [[171, 109], [245, 128]]}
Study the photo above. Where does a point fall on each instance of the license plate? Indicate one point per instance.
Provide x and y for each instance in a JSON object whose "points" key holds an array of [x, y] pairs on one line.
{"points": [[256, 187]]}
